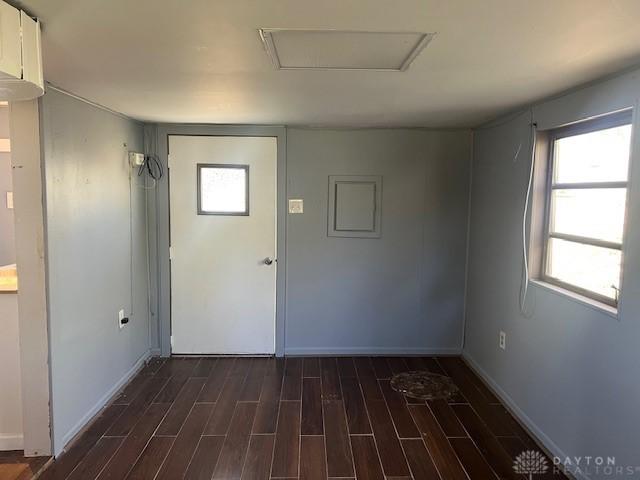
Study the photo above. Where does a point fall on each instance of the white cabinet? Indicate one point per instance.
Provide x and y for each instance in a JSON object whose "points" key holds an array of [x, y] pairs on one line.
{"points": [[10, 48], [20, 55]]}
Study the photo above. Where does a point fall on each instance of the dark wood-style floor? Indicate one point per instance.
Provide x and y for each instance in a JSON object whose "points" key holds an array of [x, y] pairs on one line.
{"points": [[261, 418]]}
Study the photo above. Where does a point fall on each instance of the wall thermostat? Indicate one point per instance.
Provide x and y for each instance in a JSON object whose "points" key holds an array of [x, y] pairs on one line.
{"points": [[296, 205]]}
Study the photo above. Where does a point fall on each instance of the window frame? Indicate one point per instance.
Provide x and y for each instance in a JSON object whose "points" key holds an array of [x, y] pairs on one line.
{"points": [[200, 166], [601, 123]]}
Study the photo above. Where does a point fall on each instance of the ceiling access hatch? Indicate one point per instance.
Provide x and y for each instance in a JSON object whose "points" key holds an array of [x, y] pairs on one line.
{"points": [[342, 49]]}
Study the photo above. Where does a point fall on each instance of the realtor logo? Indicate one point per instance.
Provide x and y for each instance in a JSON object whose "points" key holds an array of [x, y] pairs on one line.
{"points": [[530, 463]]}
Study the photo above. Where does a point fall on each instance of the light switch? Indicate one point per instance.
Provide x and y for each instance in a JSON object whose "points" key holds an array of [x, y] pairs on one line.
{"points": [[10, 200], [296, 205]]}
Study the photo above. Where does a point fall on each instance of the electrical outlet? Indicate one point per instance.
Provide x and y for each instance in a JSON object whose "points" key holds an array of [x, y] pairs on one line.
{"points": [[121, 324], [503, 340]]}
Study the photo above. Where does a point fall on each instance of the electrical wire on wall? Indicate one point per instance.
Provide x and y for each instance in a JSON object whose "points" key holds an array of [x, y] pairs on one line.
{"points": [[153, 167], [524, 281]]}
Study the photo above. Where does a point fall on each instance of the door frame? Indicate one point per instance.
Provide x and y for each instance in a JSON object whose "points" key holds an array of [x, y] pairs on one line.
{"points": [[163, 231]]}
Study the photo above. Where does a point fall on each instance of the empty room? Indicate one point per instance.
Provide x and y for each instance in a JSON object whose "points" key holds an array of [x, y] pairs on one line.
{"points": [[285, 239]]}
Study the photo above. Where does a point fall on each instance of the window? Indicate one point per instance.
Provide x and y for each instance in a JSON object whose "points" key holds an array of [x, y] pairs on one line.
{"points": [[586, 205], [223, 189]]}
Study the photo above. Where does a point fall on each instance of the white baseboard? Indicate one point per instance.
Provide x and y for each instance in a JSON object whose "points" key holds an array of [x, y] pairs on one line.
{"points": [[543, 440], [11, 442], [100, 404], [388, 351], [154, 352]]}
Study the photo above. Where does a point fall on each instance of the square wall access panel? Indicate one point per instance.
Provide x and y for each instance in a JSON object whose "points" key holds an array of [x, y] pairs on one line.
{"points": [[354, 206]]}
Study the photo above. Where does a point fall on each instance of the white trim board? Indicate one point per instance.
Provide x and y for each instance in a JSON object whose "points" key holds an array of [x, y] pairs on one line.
{"points": [[544, 442], [100, 404], [11, 442], [388, 351]]}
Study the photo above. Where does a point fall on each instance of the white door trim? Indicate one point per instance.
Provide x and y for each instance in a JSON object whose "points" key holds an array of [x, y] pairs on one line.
{"points": [[160, 236]]}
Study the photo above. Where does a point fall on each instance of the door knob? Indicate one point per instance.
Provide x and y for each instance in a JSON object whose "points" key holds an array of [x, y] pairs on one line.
{"points": [[268, 261]]}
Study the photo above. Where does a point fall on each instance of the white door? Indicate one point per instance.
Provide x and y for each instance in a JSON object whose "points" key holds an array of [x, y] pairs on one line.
{"points": [[223, 240]]}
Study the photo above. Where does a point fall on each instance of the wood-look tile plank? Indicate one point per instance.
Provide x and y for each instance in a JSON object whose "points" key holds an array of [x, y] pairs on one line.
{"points": [[181, 407], [415, 363], [476, 380], [184, 447], [432, 365], [171, 389], [330, 379], [370, 388], [241, 367], [391, 455], [235, 446], [357, 418], [462, 377], [153, 365], [420, 462], [292, 385], [365, 458], [215, 382], [147, 466], [474, 464], [486, 442], [63, 465], [257, 465], [441, 451], [267, 412], [397, 365], [447, 419], [205, 458], [400, 415], [381, 367], [178, 367], [252, 384], [204, 367], [286, 450], [221, 418], [311, 407], [339, 460], [313, 464], [266, 417], [131, 448], [458, 369], [132, 389], [91, 465], [125, 422], [346, 367], [364, 368], [311, 367]]}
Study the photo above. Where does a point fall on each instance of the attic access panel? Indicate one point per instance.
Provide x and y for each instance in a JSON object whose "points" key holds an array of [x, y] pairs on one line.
{"points": [[342, 49]]}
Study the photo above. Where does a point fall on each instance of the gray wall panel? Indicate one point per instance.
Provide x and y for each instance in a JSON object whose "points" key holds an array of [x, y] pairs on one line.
{"points": [[93, 220], [568, 368], [403, 292]]}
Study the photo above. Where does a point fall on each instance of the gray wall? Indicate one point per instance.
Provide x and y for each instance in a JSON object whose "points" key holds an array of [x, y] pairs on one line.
{"points": [[7, 231], [569, 369], [96, 244], [402, 293]]}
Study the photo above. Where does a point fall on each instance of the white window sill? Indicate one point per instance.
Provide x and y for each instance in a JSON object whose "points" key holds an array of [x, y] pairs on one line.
{"points": [[577, 298]]}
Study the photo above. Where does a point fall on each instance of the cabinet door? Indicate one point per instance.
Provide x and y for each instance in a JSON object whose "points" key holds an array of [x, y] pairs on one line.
{"points": [[10, 54], [31, 52]]}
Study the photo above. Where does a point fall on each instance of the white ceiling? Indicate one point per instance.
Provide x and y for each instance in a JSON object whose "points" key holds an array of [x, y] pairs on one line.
{"points": [[203, 61]]}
